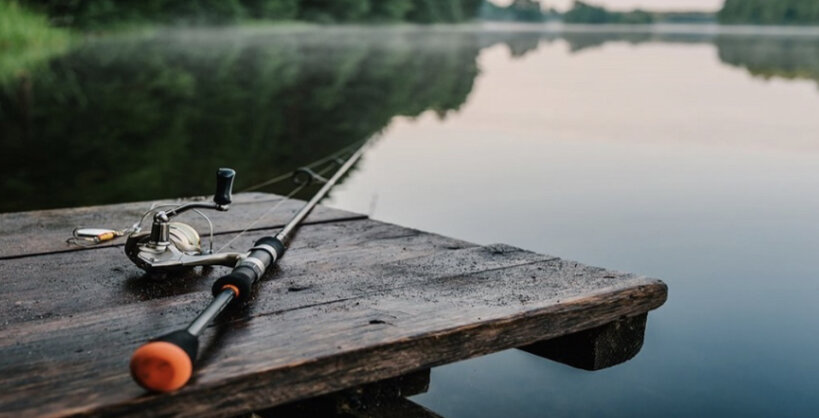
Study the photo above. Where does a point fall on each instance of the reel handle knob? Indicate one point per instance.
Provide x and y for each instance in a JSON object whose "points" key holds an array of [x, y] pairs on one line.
{"points": [[224, 186]]}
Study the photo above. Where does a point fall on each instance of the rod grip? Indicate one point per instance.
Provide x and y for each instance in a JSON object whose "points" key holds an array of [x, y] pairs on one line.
{"points": [[241, 280], [165, 364], [224, 186]]}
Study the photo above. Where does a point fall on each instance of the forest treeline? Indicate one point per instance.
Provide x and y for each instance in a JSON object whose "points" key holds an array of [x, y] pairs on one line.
{"points": [[583, 12], [753, 12], [518, 11], [587, 13], [97, 13], [770, 12], [91, 13]]}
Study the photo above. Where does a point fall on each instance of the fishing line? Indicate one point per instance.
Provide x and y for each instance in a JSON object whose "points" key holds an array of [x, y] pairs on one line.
{"points": [[278, 204], [313, 164], [263, 215]]}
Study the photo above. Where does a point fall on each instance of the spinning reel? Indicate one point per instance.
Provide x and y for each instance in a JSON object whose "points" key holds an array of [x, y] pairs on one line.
{"points": [[173, 246]]}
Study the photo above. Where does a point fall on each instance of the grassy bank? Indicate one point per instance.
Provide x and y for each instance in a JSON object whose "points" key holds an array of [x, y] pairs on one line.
{"points": [[26, 38]]}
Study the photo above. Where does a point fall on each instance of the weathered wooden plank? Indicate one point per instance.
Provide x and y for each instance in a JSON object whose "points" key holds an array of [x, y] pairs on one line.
{"points": [[352, 302], [35, 290], [597, 348], [318, 285], [409, 314], [46, 231], [360, 352]]}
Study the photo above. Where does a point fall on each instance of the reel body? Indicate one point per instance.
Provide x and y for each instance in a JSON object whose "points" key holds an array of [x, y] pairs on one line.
{"points": [[173, 246], [182, 251]]}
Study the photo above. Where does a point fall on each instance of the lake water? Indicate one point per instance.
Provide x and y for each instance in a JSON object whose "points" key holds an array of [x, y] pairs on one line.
{"points": [[687, 154]]}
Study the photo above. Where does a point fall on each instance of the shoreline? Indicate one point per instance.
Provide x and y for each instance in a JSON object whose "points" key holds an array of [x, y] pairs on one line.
{"points": [[658, 28]]}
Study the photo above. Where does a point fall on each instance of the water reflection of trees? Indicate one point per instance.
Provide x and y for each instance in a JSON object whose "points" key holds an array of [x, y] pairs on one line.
{"points": [[763, 56], [131, 119], [789, 58], [119, 120]]}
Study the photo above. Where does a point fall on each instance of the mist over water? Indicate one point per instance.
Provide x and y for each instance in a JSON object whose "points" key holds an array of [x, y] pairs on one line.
{"points": [[687, 155]]}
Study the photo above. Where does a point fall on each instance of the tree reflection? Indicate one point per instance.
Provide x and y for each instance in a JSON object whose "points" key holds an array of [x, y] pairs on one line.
{"points": [[763, 56], [123, 120], [151, 117], [788, 58]]}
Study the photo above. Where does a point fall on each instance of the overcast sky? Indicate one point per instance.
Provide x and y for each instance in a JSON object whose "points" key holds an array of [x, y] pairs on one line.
{"points": [[631, 4]]}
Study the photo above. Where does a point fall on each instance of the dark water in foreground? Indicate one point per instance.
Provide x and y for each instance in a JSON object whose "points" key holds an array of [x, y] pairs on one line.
{"points": [[691, 157]]}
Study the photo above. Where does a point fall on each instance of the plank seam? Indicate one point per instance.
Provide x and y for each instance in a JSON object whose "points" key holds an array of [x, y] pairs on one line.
{"points": [[264, 228], [368, 294], [329, 302]]}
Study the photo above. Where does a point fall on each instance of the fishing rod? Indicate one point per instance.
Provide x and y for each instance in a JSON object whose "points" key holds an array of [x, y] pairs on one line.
{"points": [[165, 363]]}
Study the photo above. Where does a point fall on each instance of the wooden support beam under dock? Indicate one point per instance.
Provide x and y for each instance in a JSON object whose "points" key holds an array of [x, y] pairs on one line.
{"points": [[354, 301]]}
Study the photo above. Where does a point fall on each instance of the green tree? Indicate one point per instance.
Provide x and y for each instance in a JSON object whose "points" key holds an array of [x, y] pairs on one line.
{"points": [[334, 10], [272, 9], [527, 10], [582, 12], [586, 13], [390, 10], [769, 12], [431, 11], [101, 13]]}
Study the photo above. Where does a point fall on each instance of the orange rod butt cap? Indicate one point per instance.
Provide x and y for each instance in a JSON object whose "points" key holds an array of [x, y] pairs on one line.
{"points": [[233, 288], [160, 366]]}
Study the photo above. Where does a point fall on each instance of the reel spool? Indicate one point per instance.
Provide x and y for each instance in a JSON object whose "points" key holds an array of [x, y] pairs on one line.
{"points": [[185, 238]]}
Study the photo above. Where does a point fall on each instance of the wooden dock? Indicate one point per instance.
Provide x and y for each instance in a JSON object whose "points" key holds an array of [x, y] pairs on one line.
{"points": [[354, 301]]}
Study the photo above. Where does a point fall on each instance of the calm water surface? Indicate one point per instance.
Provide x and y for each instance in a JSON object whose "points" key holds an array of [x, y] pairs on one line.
{"points": [[691, 157]]}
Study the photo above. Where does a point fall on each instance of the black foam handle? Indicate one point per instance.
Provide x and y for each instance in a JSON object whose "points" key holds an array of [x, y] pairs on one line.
{"points": [[242, 278], [184, 340], [274, 242], [224, 186]]}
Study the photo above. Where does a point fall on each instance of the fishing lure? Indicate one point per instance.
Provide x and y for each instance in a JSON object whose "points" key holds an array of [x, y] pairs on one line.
{"points": [[86, 237]]}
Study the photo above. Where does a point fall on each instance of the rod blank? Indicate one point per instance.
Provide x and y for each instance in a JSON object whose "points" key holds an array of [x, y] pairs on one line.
{"points": [[166, 364]]}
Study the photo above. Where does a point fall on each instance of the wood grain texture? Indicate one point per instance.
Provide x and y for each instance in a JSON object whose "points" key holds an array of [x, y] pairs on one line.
{"points": [[35, 290], [46, 231], [352, 302]]}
